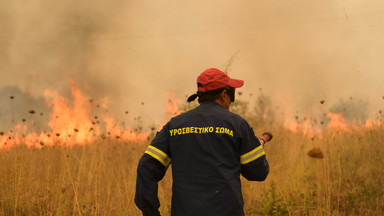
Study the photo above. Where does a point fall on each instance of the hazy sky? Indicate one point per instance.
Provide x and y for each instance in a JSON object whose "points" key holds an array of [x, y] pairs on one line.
{"points": [[297, 51]]}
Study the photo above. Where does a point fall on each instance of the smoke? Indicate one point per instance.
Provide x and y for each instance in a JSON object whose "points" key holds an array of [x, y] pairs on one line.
{"points": [[298, 52], [353, 110], [46, 43], [17, 106]]}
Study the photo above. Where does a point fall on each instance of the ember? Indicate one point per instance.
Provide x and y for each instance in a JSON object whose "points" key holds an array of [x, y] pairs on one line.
{"points": [[315, 153]]}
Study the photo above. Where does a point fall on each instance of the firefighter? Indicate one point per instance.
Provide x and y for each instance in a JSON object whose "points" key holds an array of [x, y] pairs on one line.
{"points": [[208, 147]]}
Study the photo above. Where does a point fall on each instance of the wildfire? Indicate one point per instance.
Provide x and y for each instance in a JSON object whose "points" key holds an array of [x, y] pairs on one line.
{"points": [[305, 127], [265, 112], [71, 123], [370, 123], [173, 105], [338, 122], [65, 118], [79, 122], [311, 128]]}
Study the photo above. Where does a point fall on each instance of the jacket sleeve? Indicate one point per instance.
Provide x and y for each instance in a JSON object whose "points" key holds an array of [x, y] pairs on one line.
{"points": [[254, 165], [150, 170], [256, 170], [149, 173]]}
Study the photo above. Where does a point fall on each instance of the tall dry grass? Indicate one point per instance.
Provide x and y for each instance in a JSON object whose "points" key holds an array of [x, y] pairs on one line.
{"points": [[99, 179], [96, 179], [347, 181]]}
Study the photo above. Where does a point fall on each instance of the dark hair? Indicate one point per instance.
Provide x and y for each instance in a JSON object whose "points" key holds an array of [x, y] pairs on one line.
{"points": [[208, 97], [213, 95]]}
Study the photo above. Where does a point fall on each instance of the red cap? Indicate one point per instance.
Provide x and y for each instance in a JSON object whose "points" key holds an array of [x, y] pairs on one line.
{"points": [[213, 79]]}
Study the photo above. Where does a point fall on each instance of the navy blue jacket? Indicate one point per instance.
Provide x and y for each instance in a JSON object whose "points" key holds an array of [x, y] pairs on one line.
{"points": [[209, 147]]}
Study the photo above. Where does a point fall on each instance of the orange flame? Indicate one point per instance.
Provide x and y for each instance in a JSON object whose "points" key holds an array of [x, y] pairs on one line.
{"points": [[265, 112], [117, 132], [173, 105], [70, 124], [338, 122], [305, 127], [370, 123]]}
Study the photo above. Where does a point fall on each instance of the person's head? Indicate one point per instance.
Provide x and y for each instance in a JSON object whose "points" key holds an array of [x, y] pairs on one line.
{"points": [[215, 85]]}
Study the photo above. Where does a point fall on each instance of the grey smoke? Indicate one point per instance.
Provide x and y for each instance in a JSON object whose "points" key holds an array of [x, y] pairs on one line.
{"points": [[298, 52], [15, 107]]}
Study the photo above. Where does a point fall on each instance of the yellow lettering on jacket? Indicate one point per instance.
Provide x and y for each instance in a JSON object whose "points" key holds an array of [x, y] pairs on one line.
{"points": [[200, 130]]}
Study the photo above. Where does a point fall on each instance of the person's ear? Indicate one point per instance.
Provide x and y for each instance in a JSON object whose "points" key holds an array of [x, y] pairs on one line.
{"points": [[223, 94]]}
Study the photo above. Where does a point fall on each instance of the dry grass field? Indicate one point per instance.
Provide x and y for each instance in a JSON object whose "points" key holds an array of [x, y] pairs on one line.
{"points": [[99, 178]]}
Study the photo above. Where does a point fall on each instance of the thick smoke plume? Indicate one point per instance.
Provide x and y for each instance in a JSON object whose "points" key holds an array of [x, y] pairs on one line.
{"points": [[298, 52]]}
